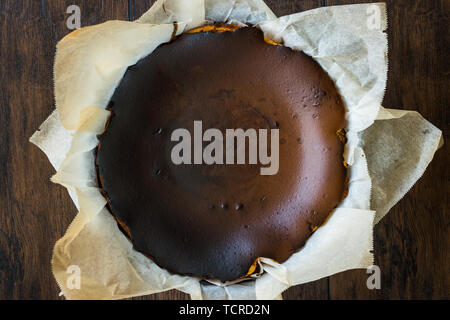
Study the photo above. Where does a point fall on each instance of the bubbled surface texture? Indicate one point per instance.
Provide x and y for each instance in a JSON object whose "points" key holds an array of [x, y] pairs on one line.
{"points": [[213, 221]]}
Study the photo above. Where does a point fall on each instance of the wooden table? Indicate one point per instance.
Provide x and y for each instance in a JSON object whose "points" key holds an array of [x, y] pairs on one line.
{"points": [[411, 243]]}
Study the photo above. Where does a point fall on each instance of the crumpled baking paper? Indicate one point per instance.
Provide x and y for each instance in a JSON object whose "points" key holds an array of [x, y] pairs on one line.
{"points": [[91, 62]]}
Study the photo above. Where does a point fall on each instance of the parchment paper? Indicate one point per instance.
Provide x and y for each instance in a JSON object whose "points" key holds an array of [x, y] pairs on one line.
{"points": [[91, 62]]}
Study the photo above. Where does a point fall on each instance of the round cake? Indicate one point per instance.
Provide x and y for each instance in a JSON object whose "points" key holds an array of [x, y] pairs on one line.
{"points": [[214, 220]]}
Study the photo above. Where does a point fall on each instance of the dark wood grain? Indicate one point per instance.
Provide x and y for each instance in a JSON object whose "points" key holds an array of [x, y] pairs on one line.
{"points": [[411, 242], [34, 212]]}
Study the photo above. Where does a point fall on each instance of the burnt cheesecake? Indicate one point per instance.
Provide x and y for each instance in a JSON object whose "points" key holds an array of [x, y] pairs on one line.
{"points": [[213, 219]]}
